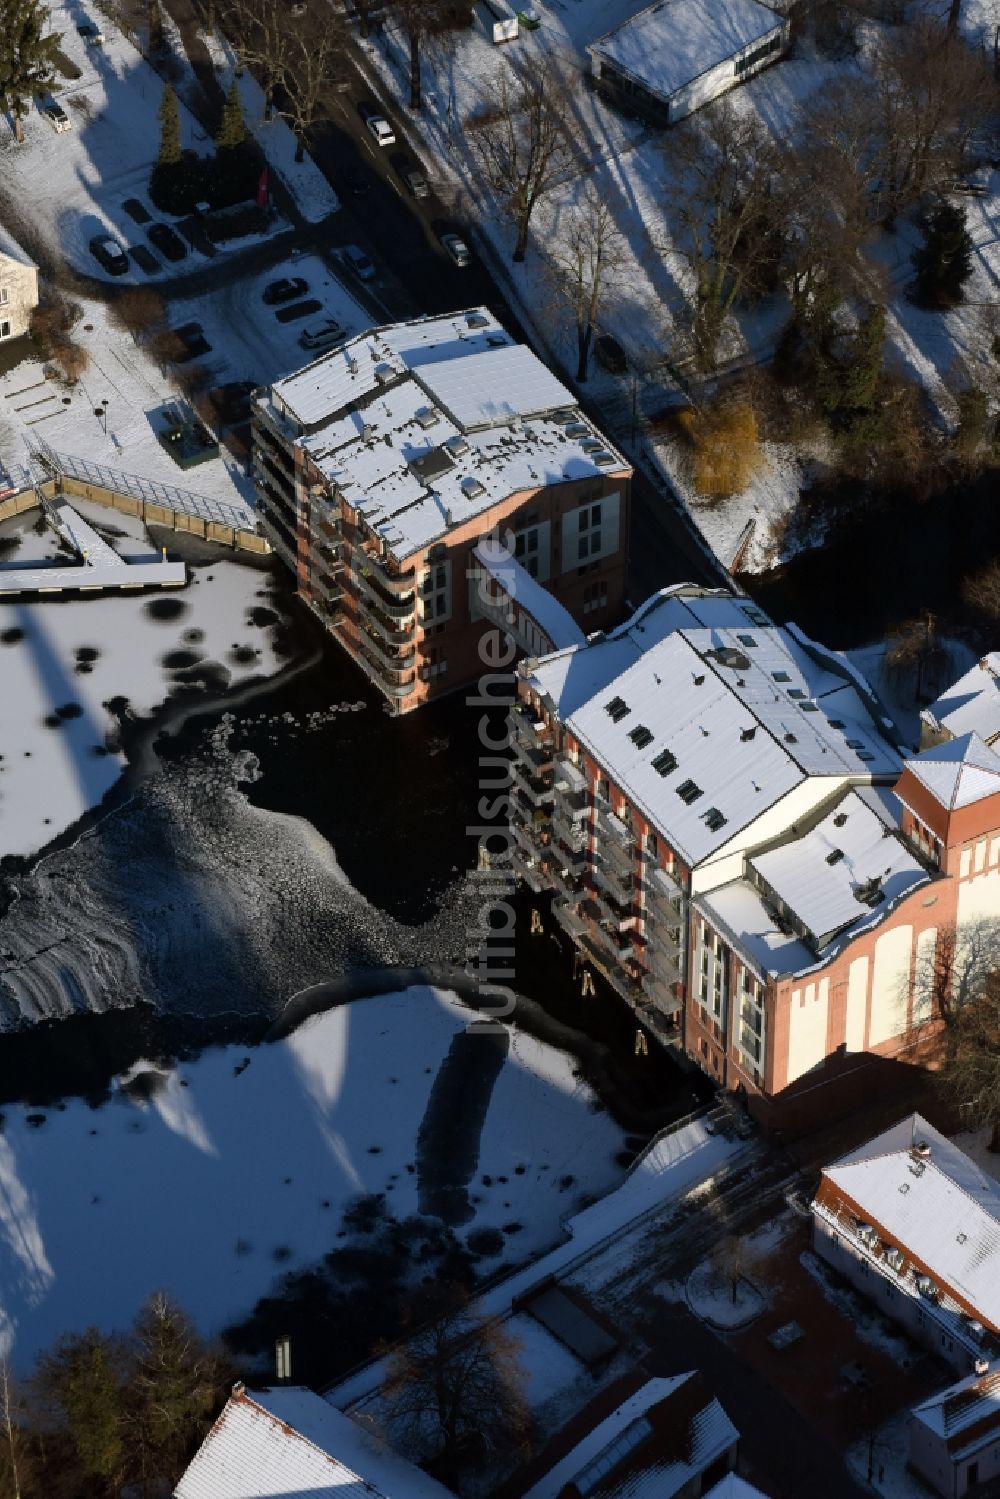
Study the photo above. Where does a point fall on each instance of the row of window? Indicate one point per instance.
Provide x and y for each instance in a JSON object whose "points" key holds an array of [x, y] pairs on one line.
{"points": [[766, 49]]}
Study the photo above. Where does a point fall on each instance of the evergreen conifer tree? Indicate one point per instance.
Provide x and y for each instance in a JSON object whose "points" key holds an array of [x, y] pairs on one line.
{"points": [[944, 261], [80, 1384], [232, 131], [170, 129], [27, 57]]}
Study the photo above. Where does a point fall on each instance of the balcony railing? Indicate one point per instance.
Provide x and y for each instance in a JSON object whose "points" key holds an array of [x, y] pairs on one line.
{"points": [[529, 729], [325, 526], [537, 788], [393, 659], [395, 683], [566, 912], [617, 832], [535, 757], [656, 985], [400, 606], [393, 582], [664, 896], [277, 539]]}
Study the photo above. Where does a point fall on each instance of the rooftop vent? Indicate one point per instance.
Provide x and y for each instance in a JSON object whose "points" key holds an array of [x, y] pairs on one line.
{"points": [[870, 893], [922, 1149], [427, 416], [496, 340], [927, 1287], [840, 819], [603, 459], [796, 692], [728, 655], [714, 819], [747, 734], [756, 616], [698, 680], [472, 488], [617, 709], [688, 792], [790, 738], [578, 429], [835, 723], [640, 736], [868, 1234], [384, 373], [456, 447], [665, 762], [895, 1259], [476, 320], [565, 416], [835, 855]]}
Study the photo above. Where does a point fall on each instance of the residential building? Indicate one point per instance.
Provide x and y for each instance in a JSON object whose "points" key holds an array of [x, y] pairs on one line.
{"points": [[18, 287], [969, 706], [669, 1438], [290, 1442], [911, 1221], [382, 466], [955, 1436], [677, 55]]}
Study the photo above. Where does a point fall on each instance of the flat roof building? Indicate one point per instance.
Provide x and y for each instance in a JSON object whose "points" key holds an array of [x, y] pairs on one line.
{"points": [[970, 705], [677, 55], [383, 466]]}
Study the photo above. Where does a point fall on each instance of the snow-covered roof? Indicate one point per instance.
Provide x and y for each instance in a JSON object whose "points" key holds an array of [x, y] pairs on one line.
{"points": [[11, 250], [429, 424], [709, 1432], [824, 876], [744, 709], [972, 704], [272, 1444], [938, 1206], [958, 772], [972, 1402], [672, 42], [734, 1487], [549, 614]]}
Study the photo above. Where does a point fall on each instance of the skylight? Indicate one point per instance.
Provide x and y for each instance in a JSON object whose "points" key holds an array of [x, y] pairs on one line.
{"points": [[714, 819], [665, 762], [640, 736], [688, 792], [617, 709], [781, 676], [747, 640]]}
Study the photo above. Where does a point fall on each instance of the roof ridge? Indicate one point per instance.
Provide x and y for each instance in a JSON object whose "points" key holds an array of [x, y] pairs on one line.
{"points": [[288, 1428]]}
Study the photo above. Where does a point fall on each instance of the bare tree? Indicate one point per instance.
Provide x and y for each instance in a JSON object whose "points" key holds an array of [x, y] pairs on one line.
{"points": [[419, 18], [916, 648], [730, 1261], [981, 590], [522, 141], [71, 359], [724, 168], [932, 92], [140, 309], [453, 1392], [13, 1443], [588, 251], [262, 35], [314, 45], [970, 1071]]}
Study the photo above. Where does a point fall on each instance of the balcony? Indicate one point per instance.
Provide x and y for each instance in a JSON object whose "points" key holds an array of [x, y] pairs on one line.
{"points": [[394, 683], [537, 788], [394, 583], [566, 912], [277, 539], [618, 883], [664, 897], [374, 620], [617, 833], [327, 587], [325, 526], [606, 961], [656, 985], [393, 659], [530, 730], [570, 779], [277, 461], [534, 757], [398, 606]]}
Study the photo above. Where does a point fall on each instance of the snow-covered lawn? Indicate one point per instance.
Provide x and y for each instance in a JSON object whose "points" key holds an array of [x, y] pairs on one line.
{"points": [[870, 1327], [62, 662], [886, 1457], [721, 1303], [213, 1177], [72, 185], [627, 165]]}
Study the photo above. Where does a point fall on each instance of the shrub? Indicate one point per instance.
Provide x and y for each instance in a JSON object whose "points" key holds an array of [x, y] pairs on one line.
{"points": [[726, 447], [139, 309], [972, 433], [231, 177], [52, 317], [71, 359]]}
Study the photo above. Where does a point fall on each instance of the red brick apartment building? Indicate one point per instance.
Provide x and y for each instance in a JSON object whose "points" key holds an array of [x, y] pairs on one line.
{"points": [[733, 838], [381, 466]]}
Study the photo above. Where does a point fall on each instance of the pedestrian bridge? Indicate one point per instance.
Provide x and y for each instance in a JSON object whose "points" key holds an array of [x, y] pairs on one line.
{"points": [[516, 602]]}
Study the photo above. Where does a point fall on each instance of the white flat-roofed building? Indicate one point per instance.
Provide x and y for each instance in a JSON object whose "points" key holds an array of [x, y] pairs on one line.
{"points": [[955, 1436], [677, 55], [915, 1224], [382, 466], [18, 287], [722, 811]]}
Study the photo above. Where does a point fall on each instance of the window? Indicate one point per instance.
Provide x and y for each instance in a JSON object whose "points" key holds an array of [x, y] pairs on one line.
{"points": [[5, 328], [589, 526], [435, 664], [526, 550], [640, 736], [435, 592], [595, 597], [611, 1456], [747, 640], [765, 50], [4, 296]]}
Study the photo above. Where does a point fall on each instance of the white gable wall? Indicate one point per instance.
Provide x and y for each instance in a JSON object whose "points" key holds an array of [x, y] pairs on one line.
{"points": [[20, 283], [720, 78], [774, 822]]}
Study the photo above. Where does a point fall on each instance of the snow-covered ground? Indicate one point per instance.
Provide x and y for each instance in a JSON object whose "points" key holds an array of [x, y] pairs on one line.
{"points": [[62, 662], [72, 185], [710, 1293], [215, 1176], [627, 165], [870, 1327], [885, 1456]]}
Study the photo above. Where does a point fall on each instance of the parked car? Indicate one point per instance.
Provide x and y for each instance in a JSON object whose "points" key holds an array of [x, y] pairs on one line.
{"points": [[377, 123], [109, 253], [167, 241], [456, 248], [91, 34], [357, 261], [285, 290], [294, 312], [610, 354], [322, 335], [192, 336], [412, 175], [355, 180], [57, 118]]}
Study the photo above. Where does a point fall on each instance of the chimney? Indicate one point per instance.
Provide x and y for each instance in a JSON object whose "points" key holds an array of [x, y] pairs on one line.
{"points": [[283, 1359]]}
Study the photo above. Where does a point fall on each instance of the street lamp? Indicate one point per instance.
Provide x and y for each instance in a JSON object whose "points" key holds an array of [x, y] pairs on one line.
{"points": [[101, 412]]}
